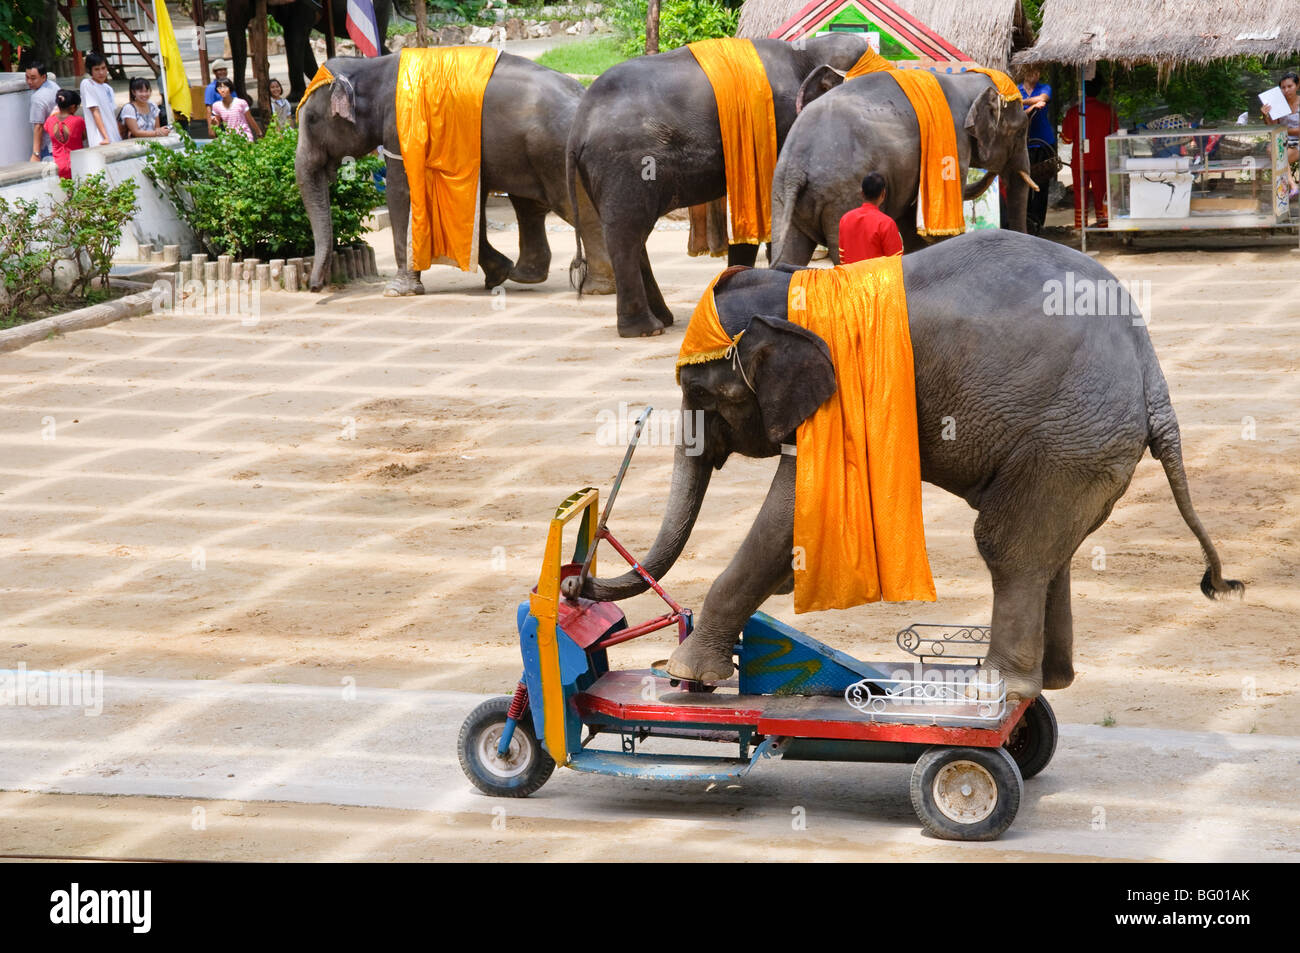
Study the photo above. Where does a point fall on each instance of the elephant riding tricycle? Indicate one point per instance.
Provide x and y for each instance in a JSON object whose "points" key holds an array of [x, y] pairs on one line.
{"points": [[794, 698]]}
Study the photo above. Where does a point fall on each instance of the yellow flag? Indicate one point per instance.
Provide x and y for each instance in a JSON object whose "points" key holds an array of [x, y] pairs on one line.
{"points": [[178, 87]]}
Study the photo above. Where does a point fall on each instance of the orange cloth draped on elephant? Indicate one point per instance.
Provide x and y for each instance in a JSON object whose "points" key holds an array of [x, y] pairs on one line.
{"points": [[870, 62], [748, 121], [858, 532], [439, 125], [939, 203]]}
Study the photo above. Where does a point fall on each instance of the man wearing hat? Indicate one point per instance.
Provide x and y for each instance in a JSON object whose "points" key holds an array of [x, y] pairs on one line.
{"points": [[210, 95]]}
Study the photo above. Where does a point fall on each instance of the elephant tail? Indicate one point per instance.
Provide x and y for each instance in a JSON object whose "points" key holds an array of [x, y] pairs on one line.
{"points": [[788, 183], [1166, 444], [577, 267]]}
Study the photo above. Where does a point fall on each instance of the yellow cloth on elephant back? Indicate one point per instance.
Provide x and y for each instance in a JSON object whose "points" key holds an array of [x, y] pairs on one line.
{"points": [[748, 120], [870, 62], [938, 203], [1001, 82], [439, 125], [858, 532]]}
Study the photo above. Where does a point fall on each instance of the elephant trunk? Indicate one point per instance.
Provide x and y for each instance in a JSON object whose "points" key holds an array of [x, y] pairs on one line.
{"points": [[691, 473], [314, 183], [1018, 188]]}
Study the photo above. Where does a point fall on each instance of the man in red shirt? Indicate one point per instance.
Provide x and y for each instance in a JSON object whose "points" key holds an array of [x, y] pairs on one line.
{"points": [[866, 232], [1090, 177]]}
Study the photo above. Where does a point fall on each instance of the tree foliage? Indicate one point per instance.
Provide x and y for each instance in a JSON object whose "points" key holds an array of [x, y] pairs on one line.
{"points": [[680, 22]]}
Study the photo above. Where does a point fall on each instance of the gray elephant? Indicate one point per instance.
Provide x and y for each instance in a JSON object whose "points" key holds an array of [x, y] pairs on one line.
{"points": [[647, 140], [527, 110], [868, 125], [297, 18], [1052, 414]]}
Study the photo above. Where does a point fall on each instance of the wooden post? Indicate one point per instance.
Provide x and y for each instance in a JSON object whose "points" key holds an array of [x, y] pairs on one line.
{"points": [[261, 64], [329, 29], [201, 37], [652, 26], [421, 23]]}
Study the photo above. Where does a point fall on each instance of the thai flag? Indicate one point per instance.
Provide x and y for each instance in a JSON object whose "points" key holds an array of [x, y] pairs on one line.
{"points": [[362, 26]]}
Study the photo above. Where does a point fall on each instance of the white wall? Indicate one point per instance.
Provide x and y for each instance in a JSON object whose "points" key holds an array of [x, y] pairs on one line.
{"points": [[15, 130], [156, 223]]}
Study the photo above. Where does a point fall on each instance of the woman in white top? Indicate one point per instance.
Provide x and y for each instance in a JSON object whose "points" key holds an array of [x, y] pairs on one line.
{"points": [[1290, 86], [97, 99], [140, 116]]}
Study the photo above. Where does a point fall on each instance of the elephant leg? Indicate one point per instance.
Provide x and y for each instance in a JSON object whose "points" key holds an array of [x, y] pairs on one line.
{"points": [[831, 229], [496, 266], [238, 56], [599, 279], [625, 241], [761, 566], [796, 249], [653, 295], [745, 255], [1058, 632], [534, 264], [407, 281]]}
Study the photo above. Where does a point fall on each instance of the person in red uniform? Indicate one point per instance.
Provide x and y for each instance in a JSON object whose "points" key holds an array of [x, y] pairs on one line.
{"points": [[866, 232], [1090, 176]]}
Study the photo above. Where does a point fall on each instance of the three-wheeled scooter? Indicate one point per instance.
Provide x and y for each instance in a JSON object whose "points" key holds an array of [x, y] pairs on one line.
{"points": [[793, 698]]}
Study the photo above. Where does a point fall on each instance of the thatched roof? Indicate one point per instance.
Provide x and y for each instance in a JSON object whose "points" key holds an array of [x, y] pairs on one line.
{"points": [[985, 30], [1166, 32]]}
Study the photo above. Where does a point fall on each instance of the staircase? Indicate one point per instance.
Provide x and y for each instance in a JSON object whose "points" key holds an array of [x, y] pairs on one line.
{"points": [[126, 35]]}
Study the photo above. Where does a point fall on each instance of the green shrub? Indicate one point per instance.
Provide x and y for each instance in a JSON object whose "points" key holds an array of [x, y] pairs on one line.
{"points": [[241, 197], [85, 227], [680, 22]]}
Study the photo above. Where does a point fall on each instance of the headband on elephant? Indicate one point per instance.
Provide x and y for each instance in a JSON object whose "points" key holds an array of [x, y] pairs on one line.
{"points": [[1007, 89], [706, 339]]}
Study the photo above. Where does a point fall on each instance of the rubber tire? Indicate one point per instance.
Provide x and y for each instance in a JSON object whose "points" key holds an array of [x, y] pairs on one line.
{"points": [[1033, 741], [481, 720], [1006, 776]]}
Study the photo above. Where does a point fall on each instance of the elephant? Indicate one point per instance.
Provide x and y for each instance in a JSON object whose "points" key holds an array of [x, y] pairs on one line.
{"points": [[1051, 414], [868, 125], [647, 140], [298, 18], [527, 110]]}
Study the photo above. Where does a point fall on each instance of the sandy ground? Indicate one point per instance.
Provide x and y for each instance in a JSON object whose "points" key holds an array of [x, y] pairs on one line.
{"points": [[357, 487]]}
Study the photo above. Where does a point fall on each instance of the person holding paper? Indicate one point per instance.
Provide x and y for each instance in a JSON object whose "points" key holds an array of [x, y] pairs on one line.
{"points": [[1290, 87]]}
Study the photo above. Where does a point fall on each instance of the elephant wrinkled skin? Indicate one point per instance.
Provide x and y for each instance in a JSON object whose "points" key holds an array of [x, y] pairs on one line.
{"points": [[1052, 414], [527, 110]]}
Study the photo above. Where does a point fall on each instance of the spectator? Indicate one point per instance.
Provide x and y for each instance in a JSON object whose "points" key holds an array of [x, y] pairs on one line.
{"points": [[280, 111], [866, 232], [210, 95], [67, 130], [232, 112], [1042, 141], [44, 89], [140, 116], [1290, 85], [1088, 165], [97, 97]]}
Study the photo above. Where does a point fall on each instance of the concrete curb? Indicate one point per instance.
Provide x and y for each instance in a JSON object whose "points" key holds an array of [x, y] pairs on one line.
{"points": [[97, 315]]}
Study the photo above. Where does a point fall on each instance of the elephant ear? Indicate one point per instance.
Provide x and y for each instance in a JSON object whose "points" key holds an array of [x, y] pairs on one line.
{"points": [[343, 97], [790, 369], [984, 125], [821, 80]]}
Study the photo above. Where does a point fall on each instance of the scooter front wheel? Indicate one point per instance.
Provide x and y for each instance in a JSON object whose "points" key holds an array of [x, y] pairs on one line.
{"points": [[523, 769]]}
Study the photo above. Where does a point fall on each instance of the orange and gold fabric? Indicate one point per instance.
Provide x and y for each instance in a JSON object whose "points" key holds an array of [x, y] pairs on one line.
{"points": [[323, 77], [748, 120], [870, 62], [439, 125], [939, 202], [1009, 91], [705, 338], [857, 517]]}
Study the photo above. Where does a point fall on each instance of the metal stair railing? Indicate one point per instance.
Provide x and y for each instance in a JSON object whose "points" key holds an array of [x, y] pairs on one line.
{"points": [[126, 27]]}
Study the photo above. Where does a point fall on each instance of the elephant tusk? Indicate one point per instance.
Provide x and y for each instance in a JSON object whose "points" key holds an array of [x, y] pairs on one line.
{"points": [[1028, 181]]}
